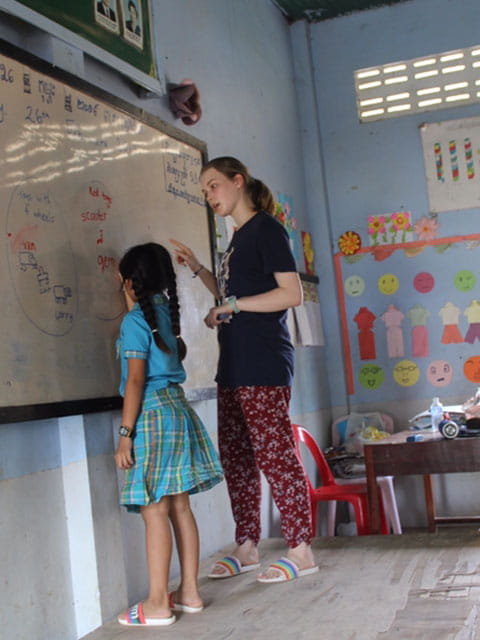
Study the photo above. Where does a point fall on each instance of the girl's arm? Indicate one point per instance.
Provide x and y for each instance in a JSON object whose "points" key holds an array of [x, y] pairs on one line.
{"points": [[132, 402], [288, 293], [185, 256]]}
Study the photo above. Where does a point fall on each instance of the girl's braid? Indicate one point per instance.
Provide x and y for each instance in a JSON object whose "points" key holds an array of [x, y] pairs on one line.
{"points": [[174, 308], [148, 309]]}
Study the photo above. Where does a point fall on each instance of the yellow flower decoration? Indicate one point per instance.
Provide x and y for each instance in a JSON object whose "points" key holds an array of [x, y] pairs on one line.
{"points": [[349, 243]]}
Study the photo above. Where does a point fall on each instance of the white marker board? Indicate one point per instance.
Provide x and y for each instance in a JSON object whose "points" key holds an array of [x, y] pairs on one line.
{"points": [[84, 177]]}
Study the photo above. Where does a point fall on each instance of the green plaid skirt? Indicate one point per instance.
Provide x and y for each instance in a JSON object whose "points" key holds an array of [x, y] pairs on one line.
{"points": [[173, 452]]}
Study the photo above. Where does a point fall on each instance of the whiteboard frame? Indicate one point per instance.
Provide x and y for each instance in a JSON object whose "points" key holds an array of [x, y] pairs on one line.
{"points": [[21, 413]]}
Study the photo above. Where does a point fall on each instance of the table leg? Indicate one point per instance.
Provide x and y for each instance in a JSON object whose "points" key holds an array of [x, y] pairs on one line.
{"points": [[430, 503], [372, 489]]}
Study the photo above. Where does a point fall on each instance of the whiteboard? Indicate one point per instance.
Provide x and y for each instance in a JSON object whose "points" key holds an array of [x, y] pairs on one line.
{"points": [[84, 177]]}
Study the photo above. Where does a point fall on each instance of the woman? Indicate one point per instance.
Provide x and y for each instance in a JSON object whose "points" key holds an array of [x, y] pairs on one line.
{"points": [[257, 282]]}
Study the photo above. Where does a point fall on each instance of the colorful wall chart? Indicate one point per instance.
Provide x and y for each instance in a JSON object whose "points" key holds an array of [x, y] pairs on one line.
{"points": [[408, 330], [451, 153]]}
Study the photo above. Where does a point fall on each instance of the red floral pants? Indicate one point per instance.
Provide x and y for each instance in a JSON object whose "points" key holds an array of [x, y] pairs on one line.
{"points": [[255, 434]]}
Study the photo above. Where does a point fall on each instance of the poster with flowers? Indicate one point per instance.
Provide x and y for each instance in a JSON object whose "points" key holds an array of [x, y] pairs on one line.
{"points": [[390, 228], [284, 214]]}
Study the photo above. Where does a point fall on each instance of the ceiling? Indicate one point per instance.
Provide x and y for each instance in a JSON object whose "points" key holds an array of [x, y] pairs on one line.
{"points": [[316, 10]]}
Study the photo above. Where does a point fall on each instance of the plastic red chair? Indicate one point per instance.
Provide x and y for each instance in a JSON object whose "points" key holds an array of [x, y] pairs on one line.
{"points": [[330, 490], [385, 483]]}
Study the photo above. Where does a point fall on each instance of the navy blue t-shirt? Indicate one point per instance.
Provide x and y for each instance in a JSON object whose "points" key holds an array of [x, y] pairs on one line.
{"points": [[255, 348]]}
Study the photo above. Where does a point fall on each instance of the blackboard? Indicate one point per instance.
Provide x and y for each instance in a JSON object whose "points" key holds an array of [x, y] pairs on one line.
{"points": [[83, 177]]}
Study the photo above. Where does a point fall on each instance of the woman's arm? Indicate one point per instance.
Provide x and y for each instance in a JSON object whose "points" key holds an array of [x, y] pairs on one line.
{"points": [[132, 401], [185, 256], [288, 293]]}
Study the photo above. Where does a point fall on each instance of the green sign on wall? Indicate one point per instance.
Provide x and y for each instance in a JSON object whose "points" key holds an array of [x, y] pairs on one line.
{"points": [[120, 27]]}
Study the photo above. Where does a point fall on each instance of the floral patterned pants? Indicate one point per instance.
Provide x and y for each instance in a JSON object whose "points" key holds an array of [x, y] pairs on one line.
{"points": [[255, 434]]}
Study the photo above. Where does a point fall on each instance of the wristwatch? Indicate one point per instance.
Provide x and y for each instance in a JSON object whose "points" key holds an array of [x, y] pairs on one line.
{"points": [[125, 431]]}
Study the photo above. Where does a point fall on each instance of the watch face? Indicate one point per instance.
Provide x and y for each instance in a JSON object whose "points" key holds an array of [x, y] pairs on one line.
{"points": [[123, 431]]}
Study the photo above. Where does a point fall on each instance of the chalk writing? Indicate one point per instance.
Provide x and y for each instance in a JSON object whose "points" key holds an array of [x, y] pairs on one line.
{"points": [[46, 91], [67, 102], [26, 260], [28, 246], [93, 216], [44, 216], [106, 262], [182, 174], [98, 193], [73, 129], [181, 193], [179, 175], [61, 293], [43, 281], [109, 116], [64, 315], [35, 115], [27, 87], [88, 107], [6, 74]]}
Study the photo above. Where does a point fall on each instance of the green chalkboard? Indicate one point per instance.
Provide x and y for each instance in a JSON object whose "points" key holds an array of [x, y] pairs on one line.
{"points": [[121, 27]]}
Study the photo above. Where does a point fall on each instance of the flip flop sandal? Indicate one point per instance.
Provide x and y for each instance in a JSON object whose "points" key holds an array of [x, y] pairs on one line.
{"points": [[231, 567], [184, 608], [286, 570], [135, 617]]}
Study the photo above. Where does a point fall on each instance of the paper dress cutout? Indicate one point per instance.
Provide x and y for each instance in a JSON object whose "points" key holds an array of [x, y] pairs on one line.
{"points": [[450, 315], [393, 319], [366, 338], [473, 315], [418, 316]]}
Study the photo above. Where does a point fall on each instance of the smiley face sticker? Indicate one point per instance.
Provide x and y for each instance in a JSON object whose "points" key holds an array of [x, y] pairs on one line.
{"points": [[471, 369], [424, 282], [406, 373], [371, 376], [439, 373], [354, 286], [388, 284], [465, 280]]}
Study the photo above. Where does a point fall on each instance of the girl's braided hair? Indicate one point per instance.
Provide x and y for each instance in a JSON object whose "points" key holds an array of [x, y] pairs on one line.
{"points": [[150, 268], [259, 193]]}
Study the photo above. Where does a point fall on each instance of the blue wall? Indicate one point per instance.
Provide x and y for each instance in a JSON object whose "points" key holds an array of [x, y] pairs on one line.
{"points": [[377, 167]]}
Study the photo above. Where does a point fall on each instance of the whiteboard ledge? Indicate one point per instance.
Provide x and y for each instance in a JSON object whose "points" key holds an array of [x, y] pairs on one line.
{"points": [[45, 411]]}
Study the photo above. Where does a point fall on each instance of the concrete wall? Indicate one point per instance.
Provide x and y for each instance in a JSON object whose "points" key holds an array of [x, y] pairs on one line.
{"points": [[378, 167]]}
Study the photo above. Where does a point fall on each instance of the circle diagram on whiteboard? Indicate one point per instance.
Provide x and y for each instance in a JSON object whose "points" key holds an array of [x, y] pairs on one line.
{"points": [[41, 261]]}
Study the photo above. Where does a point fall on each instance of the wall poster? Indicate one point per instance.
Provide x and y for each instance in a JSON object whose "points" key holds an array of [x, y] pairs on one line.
{"points": [[451, 153]]}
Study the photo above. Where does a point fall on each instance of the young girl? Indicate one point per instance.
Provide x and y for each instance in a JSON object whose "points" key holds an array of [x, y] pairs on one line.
{"points": [[257, 282], [163, 446]]}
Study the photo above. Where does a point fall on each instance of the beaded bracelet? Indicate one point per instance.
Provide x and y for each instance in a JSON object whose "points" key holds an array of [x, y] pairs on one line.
{"points": [[195, 273], [232, 301]]}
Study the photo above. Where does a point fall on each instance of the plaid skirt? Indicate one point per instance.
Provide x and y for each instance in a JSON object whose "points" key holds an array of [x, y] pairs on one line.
{"points": [[172, 451]]}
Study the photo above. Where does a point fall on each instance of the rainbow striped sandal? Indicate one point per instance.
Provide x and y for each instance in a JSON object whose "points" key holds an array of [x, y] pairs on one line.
{"points": [[134, 617], [285, 570], [231, 566]]}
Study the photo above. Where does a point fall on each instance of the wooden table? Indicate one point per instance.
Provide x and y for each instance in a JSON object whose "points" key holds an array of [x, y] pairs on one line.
{"points": [[394, 456]]}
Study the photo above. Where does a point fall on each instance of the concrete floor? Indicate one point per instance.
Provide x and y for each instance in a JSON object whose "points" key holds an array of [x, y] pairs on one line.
{"points": [[416, 586]]}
